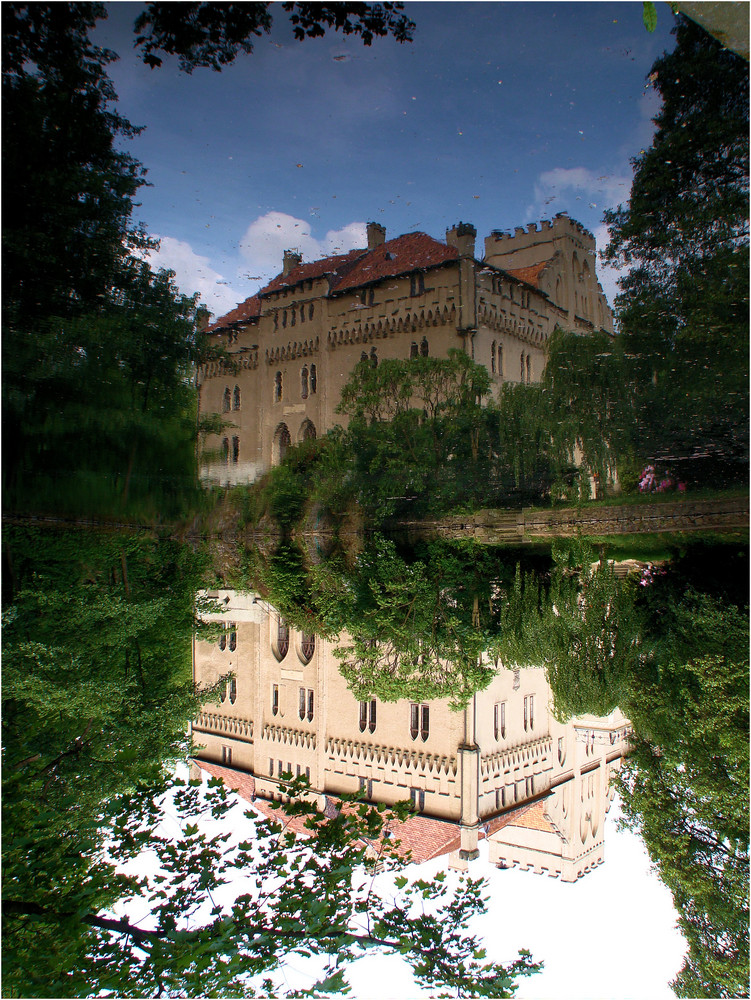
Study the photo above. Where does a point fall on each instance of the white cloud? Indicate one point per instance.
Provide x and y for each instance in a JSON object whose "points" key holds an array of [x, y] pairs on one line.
{"points": [[559, 189], [607, 276], [265, 240], [193, 274]]}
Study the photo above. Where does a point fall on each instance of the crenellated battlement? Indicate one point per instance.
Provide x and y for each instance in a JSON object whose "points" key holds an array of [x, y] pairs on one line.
{"points": [[561, 225]]}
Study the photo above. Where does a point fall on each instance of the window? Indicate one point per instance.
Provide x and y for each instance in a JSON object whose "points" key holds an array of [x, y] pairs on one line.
{"points": [[278, 769], [499, 720], [367, 296], [419, 721], [561, 750], [233, 691], [235, 450], [366, 785], [226, 755], [304, 383], [236, 398], [531, 711], [413, 350], [526, 713], [271, 767], [223, 641], [527, 787], [313, 378], [372, 719], [301, 710], [232, 637], [310, 706], [284, 318], [416, 284], [226, 400], [417, 797], [307, 773], [225, 451], [521, 376], [373, 357], [277, 387], [310, 311], [302, 314], [281, 647], [363, 716], [500, 359], [307, 646], [223, 693], [275, 702], [424, 347], [492, 358], [528, 370], [368, 716]]}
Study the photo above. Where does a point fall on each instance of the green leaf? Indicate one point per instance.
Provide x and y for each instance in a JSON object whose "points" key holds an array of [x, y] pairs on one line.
{"points": [[649, 16]]}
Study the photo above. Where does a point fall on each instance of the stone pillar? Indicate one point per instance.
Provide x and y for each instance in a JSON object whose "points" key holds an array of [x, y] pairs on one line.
{"points": [[469, 764]]}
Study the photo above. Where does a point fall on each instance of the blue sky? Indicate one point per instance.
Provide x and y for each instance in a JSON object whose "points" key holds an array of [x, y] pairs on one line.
{"points": [[496, 114]]}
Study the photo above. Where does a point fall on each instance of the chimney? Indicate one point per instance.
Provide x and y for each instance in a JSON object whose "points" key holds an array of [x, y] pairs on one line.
{"points": [[462, 236], [292, 259], [376, 235]]}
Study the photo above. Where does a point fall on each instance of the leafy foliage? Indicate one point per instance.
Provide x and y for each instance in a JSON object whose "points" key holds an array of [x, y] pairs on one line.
{"points": [[683, 307], [309, 896], [211, 35]]}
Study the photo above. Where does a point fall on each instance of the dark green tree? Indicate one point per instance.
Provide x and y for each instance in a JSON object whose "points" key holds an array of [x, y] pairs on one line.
{"points": [[683, 307]]}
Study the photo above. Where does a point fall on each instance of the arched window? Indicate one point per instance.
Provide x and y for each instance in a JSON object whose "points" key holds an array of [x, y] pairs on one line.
{"points": [[419, 721], [293, 316], [280, 645], [499, 720], [225, 451], [363, 355], [310, 706], [302, 314], [304, 383], [307, 431], [301, 709], [529, 377], [233, 691], [235, 450], [236, 398], [492, 358], [281, 443], [500, 359], [414, 350], [373, 357], [313, 379], [284, 318], [424, 349], [275, 701], [363, 716], [278, 387], [521, 376], [307, 646], [310, 311], [232, 637], [227, 400], [372, 719]]}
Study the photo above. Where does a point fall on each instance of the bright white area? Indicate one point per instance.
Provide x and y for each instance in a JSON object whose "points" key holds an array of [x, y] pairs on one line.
{"points": [[610, 936]]}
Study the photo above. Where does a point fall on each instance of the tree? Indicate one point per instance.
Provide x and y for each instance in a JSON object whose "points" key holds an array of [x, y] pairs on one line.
{"points": [[310, 895], [212, 35], [683, 307]]}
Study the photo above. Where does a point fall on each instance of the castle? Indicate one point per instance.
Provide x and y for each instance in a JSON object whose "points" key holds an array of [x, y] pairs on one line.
{"points": [[503, 768], [294, 344]]}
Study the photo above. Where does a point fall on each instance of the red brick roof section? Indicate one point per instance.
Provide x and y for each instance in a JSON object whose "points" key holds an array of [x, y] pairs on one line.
{"points": [[411, 252], [424, 837], [529, 274], [249, 309], [333, 266]]}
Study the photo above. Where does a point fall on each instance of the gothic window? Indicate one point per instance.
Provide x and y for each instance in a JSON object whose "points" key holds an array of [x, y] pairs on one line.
{"points": [[307, 646], [223, 641], [226, 400], [424, 349], [293, 316], [413, 350], [301, 710], [302, 314], [275, 700], [313, 379], [366, 785], [236, 398], [561, 751], [271, 767], [226, 755], [225, 451], [232, 637], [304, 383], [526, 713], [528, 371], [278, 387], [500, 359], [424, 722], [417, 797], [414, 720], [307, 431], [521, 376], [310, 706], [281, 443], [363, 716], [233, 691], [499, 720], [531, 711], [310, 311], [235, 450], [284, 318], [372, 718], [282, 639], [223, 693], [492, 358]]}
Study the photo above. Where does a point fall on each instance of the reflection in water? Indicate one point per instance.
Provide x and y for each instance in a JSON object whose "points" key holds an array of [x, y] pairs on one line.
{"points": [[502, 767]]}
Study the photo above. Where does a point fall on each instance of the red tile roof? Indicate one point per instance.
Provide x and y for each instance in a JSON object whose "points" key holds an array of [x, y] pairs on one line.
{"points": [[529, 274], [249, 309], [411, 252]]}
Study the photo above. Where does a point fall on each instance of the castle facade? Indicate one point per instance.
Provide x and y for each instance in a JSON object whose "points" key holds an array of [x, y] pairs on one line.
{"points": [[294, 344]]}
